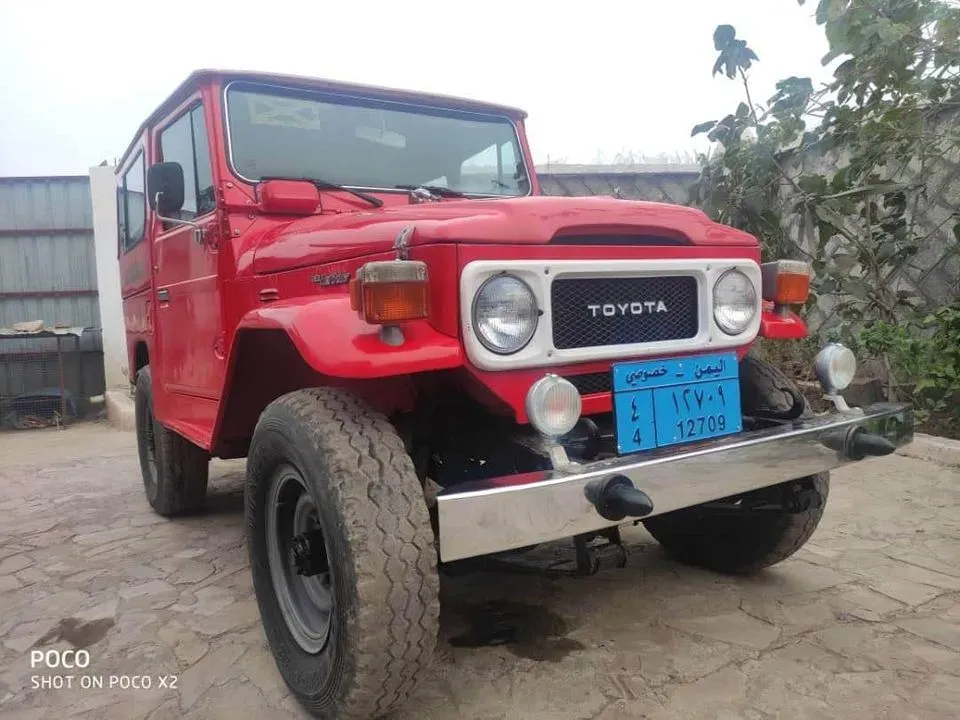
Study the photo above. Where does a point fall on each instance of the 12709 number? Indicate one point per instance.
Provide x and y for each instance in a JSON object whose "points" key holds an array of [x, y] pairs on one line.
{"points": [[694, 427]]}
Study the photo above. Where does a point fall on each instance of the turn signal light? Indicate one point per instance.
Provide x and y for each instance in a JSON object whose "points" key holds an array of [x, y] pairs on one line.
{"points": [[786, 282], [391, 291]]}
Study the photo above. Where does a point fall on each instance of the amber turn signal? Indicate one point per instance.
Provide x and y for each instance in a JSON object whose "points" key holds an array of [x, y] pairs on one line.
{"points": [[391, 291], [786, 282]]}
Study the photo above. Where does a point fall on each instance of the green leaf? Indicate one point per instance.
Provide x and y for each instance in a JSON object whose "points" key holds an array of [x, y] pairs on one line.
{"points": [[743, 110], [702, 127], [723, 36], [844, 261]]}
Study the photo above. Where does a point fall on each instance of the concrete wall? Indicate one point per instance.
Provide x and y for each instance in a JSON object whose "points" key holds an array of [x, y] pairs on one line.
{"points": [[103, 196]]}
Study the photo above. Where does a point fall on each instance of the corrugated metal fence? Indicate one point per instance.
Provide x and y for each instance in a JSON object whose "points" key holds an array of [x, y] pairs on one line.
{"points": [[48, 273]]}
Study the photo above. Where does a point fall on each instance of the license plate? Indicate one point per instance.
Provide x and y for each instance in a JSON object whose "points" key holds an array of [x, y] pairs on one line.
{"points": [[658, 403]]}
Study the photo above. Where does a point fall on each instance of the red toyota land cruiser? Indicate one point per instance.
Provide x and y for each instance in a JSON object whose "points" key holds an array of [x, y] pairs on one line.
{"points": [[424, 360]]}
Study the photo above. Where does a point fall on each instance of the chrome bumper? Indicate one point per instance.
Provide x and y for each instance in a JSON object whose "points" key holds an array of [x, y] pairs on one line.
{"points": [[517, 511]]}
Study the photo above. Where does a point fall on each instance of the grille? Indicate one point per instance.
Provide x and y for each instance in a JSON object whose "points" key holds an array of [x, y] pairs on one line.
{"points": [[575, 326], [591, 383]]}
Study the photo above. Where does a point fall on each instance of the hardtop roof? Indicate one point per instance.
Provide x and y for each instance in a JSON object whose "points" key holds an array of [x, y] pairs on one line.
{"points": [[205, 76]]}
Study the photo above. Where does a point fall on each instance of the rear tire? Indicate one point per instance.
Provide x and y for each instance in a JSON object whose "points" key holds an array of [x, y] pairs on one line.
{"points": [[372, 570], [174, 470], [742, 542]]}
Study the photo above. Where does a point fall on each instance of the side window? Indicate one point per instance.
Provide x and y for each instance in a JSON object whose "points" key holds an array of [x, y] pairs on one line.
{"points": [[185, 142], [131, 205]]}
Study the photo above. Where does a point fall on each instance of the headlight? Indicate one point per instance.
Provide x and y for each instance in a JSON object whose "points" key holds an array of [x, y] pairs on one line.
{"points": [[734, 302], [505, 314]]}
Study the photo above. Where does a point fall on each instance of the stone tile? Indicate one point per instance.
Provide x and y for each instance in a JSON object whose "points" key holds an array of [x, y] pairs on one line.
{"points": [[867, 605], [191, 553], [738, 628], [792, 619], [237, 699], [258, 666], [935, 630], [239, 615], [9, 549], [8, 582], [151, 589], [24, 636], [709, 697], [31, 575], [912, 573], [213, 668], [925, 561], [14, 563], [190, 572], [795, 577], [211, 600], [106, 536], [906, 591]]}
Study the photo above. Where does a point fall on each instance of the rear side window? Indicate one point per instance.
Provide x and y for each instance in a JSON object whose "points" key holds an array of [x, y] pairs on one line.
{"points": [[185, 142], [132, 205]]}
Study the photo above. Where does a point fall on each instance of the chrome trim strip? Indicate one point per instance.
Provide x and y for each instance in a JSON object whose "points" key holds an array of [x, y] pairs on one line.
{"points": [[540, 275], [228, 136], [494, 516]]}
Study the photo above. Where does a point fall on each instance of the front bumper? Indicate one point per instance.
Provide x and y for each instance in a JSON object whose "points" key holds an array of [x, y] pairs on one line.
{"points": [[520, 510]]}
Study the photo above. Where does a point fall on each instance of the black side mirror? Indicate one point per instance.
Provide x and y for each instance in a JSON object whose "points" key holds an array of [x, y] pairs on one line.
{"points": [[165, 188]]}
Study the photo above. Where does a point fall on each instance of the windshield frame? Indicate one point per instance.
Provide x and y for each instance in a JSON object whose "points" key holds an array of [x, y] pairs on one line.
{"points": [[345, 98]]}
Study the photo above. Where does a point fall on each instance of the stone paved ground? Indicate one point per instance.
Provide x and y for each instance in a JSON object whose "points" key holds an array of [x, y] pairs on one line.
{"points": [[863, 623]]}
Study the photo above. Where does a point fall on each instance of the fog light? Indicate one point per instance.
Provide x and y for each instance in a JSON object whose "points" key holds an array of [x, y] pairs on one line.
{"points": [[835, 367], [553, 405]]}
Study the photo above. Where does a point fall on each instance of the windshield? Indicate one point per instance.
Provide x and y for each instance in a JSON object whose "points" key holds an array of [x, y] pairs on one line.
{"points": [[365, 143]]}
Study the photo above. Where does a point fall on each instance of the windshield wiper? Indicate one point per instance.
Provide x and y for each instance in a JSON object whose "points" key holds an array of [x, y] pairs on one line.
{"points": [[437, 190], [324, 185]]}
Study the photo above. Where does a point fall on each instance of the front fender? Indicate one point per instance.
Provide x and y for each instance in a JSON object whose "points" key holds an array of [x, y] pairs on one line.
{"points": [[333, 340]]}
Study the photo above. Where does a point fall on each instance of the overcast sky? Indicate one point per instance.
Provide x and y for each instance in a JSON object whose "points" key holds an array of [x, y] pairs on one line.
{"points": [[603, 76]]}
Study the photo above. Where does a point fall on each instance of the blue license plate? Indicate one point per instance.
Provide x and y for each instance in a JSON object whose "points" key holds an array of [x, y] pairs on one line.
{"points": [[658, 403]]}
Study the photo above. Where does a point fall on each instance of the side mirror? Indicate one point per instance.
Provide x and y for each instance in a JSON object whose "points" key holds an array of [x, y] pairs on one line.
{"points": [[165, 188]]}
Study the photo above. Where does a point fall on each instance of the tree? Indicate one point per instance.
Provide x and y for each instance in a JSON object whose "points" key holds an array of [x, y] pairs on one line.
{"points": [[878, 128]]}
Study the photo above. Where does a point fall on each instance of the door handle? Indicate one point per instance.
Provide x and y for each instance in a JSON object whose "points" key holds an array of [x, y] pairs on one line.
{"points": [[163, 295]]}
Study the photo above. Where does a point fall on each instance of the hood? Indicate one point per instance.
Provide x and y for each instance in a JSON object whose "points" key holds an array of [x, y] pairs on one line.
{"points": [[320, 239]]}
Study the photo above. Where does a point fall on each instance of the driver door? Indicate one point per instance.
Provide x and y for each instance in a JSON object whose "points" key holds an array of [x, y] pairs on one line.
{"points": [[188, 317]]}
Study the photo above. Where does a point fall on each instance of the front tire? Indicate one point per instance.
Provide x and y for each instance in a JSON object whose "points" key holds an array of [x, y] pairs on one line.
{"points": [[724, 539], [342, 554], [174, 470]]}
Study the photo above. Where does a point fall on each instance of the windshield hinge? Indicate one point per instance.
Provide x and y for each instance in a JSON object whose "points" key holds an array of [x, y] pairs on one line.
{"points": [[402, 242]]}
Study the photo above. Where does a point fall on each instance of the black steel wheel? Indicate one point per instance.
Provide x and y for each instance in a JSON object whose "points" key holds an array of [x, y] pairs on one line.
{"points": [[298, 560]]}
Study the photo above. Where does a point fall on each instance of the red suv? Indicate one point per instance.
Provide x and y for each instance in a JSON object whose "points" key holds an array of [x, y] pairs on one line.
{"points": [[423, 359]]}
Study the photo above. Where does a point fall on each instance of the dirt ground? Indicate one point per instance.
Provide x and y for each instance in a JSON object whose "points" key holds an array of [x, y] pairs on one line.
{"points": [[862, 623]]}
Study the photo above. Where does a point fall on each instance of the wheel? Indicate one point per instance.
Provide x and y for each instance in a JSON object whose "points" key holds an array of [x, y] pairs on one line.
{"points": [[727, 537], [174, 470], [342, 553]]}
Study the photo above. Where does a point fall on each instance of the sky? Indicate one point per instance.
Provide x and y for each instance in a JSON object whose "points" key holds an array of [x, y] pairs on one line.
{"points": [[597, 78]]}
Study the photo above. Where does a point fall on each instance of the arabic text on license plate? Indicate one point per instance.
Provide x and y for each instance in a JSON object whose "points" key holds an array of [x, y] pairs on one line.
{"points": [[667, 402]]}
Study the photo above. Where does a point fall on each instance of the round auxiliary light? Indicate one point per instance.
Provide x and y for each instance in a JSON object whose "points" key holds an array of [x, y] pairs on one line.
{"points": [[835, 367], [553, 405], [734, 302]]}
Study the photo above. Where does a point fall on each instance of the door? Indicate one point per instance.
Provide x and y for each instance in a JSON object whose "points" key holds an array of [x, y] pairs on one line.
{"points": [[188, 319]]}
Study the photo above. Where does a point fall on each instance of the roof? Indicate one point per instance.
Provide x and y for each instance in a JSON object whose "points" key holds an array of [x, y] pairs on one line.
{"points": [[201, 77], [604, 170]]}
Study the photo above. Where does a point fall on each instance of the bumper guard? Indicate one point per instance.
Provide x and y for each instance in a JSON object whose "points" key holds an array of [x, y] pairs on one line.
{"points": [[520, 510]]}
